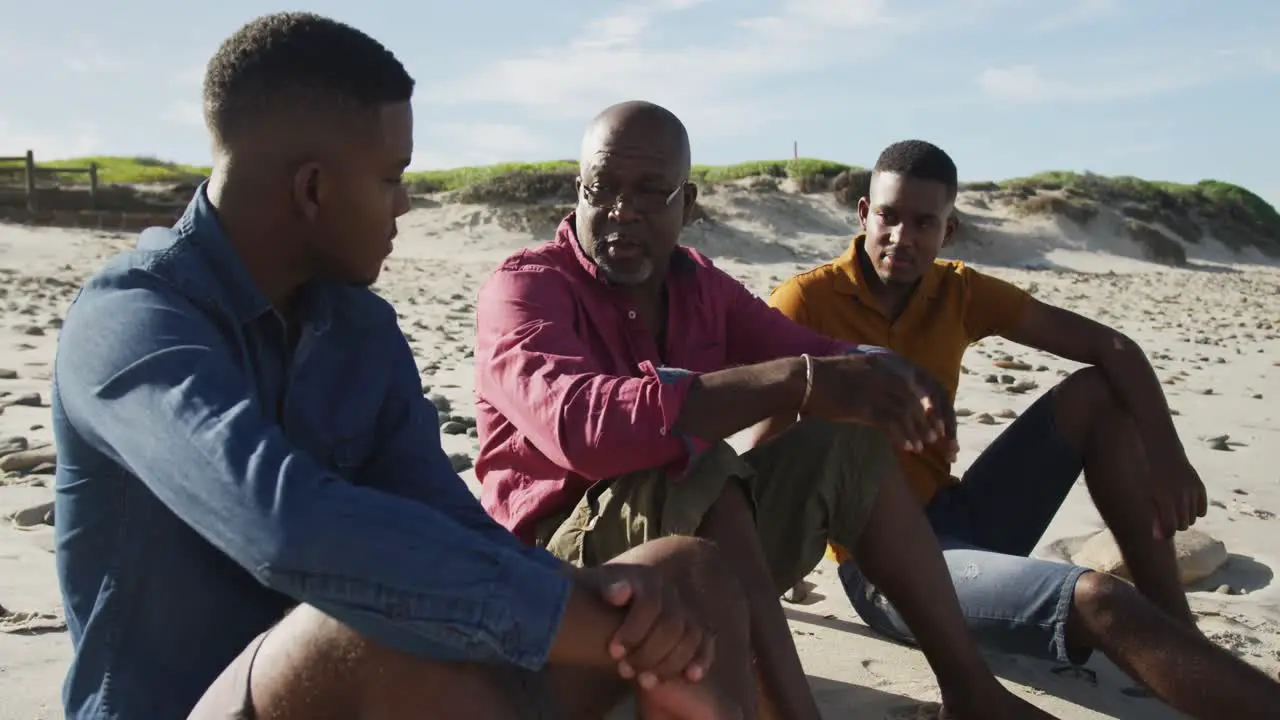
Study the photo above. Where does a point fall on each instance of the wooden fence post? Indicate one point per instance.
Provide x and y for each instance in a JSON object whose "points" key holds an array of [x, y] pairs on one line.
{"points": [[93, 186], [31, 180]]}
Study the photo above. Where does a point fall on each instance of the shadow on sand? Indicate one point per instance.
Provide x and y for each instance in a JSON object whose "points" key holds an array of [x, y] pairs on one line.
{"points": [[1099, 686]]}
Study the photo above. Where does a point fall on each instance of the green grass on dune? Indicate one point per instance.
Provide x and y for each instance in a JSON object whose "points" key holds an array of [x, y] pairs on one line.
{"points": [[1209, 196], [118, 170], [1212, 197]]}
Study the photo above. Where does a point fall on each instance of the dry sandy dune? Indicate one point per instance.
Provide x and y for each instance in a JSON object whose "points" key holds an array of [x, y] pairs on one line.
{"points": [[1212, 329]]}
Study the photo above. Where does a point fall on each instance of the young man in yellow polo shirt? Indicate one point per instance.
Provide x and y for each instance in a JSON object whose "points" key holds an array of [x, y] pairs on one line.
{"points": [[1109, 420]]}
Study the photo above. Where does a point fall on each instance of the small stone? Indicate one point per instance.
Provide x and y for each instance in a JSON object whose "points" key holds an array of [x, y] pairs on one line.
{"points": [[26, 460], [453, 428], [11, 445], [26, 399], [1042, 368], [441, 402], [1218, 442], [1206, 391], [460, 462], [8, 374], [991, 379], [1012, 365], [33, 330], [963, 412], [1257, 396], [1007, 379], [1223, 590], [985, 419], [1007, 414], [473, 432], [1023, 386]]}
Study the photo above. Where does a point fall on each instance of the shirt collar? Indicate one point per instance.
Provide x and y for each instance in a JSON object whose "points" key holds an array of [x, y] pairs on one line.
{"points": [[200, 226], [850, 279], [567, 233]]}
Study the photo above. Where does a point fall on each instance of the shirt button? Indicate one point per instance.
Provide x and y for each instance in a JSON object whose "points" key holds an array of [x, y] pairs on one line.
{"points": [[631, 314]]}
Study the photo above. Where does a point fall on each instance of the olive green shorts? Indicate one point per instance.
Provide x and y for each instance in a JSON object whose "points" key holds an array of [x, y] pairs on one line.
{"points": [[815, 483]]}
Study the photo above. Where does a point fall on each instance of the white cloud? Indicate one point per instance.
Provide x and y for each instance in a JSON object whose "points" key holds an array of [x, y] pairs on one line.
{"points": [[581, 77], [82, 140], [458, 144], [1123, 77]]}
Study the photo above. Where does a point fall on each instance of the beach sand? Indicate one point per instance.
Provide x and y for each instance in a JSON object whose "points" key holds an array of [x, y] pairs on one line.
{"points": [[1212, 330]]}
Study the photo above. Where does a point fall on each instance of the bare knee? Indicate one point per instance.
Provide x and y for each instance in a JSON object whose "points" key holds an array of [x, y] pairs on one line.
{"points": [[1085, 406], [313, 666], [1100, 602]]}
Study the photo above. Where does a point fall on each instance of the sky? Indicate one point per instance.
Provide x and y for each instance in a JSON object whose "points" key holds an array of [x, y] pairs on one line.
{"points": [[1176, 90]]}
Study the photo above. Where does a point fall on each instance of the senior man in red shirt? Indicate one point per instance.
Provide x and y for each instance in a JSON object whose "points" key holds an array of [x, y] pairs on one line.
{"points": [[592, 444]]}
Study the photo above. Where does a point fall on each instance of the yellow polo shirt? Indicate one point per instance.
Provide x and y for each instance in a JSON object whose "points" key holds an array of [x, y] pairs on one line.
{"points": [[953, 307]]}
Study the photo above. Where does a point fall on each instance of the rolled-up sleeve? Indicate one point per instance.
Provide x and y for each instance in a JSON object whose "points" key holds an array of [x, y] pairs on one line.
{"points": [[146, 378], [534, 369]]}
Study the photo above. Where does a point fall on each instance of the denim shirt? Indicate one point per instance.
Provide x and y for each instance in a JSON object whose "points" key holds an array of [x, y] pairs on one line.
{"points": [[209, 478]]}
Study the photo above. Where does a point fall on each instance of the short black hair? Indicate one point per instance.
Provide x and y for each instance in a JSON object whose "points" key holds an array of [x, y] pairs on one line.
{"points": [[286, 59], [921, 160]]}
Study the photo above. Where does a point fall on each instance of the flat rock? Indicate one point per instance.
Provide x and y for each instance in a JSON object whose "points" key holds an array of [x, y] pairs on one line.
{"points": [[1198, 555], [25, 460]]}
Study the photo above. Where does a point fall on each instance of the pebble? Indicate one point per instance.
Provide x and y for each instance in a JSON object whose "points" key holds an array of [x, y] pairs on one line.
{"points": [[991, 379], [453, 428], [1012, 365], [441, 402], [27, 460], [963, 412], [1218, 442], [1007, 414], [8, 374], [985, 419], [460, 461], [11, 445], [1007, 379]]}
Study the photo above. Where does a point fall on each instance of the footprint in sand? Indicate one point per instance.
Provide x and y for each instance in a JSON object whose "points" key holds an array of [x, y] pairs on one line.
{"points": [[1244, 508]]}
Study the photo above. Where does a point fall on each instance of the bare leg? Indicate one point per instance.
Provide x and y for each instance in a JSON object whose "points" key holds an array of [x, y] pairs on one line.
{"points": [[313, 667], [898, 538], [1116, 471], [730, 524], [1178, 664]]}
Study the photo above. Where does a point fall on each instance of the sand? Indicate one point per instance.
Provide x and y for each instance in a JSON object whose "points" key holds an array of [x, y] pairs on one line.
{"points": [[1213, 331]]}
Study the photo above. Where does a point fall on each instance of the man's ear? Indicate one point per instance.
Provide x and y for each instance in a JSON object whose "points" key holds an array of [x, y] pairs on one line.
{"points": [[864, 209], [690, 201], [953, 223], [308, 190]]}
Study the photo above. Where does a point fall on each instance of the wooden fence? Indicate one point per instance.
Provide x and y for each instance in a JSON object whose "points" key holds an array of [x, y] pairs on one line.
{"points": [[33, 174]]}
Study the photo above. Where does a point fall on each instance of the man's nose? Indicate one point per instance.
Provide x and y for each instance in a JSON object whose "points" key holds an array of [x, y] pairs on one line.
{"points": [[624, 209]]}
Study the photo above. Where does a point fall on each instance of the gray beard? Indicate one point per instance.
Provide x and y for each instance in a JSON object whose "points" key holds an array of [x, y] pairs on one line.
{"points": [[636, 278]]}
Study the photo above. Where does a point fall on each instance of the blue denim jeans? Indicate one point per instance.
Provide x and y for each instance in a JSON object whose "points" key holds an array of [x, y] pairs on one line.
{"points": [[987, 526]]}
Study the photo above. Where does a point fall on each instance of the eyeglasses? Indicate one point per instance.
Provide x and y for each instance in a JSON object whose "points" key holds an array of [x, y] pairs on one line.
{"points": [[643, 201]]}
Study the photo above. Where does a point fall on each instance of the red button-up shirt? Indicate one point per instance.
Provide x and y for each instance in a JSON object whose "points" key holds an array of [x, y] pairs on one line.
{"points": [[567, 384]]}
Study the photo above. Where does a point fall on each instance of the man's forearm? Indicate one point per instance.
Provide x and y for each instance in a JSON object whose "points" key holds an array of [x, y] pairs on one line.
{"points": [[724, 402]]}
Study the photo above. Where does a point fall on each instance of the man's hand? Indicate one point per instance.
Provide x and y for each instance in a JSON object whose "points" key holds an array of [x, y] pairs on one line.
{"points": [[1177, 492], [659, 638], [886, 391]]}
